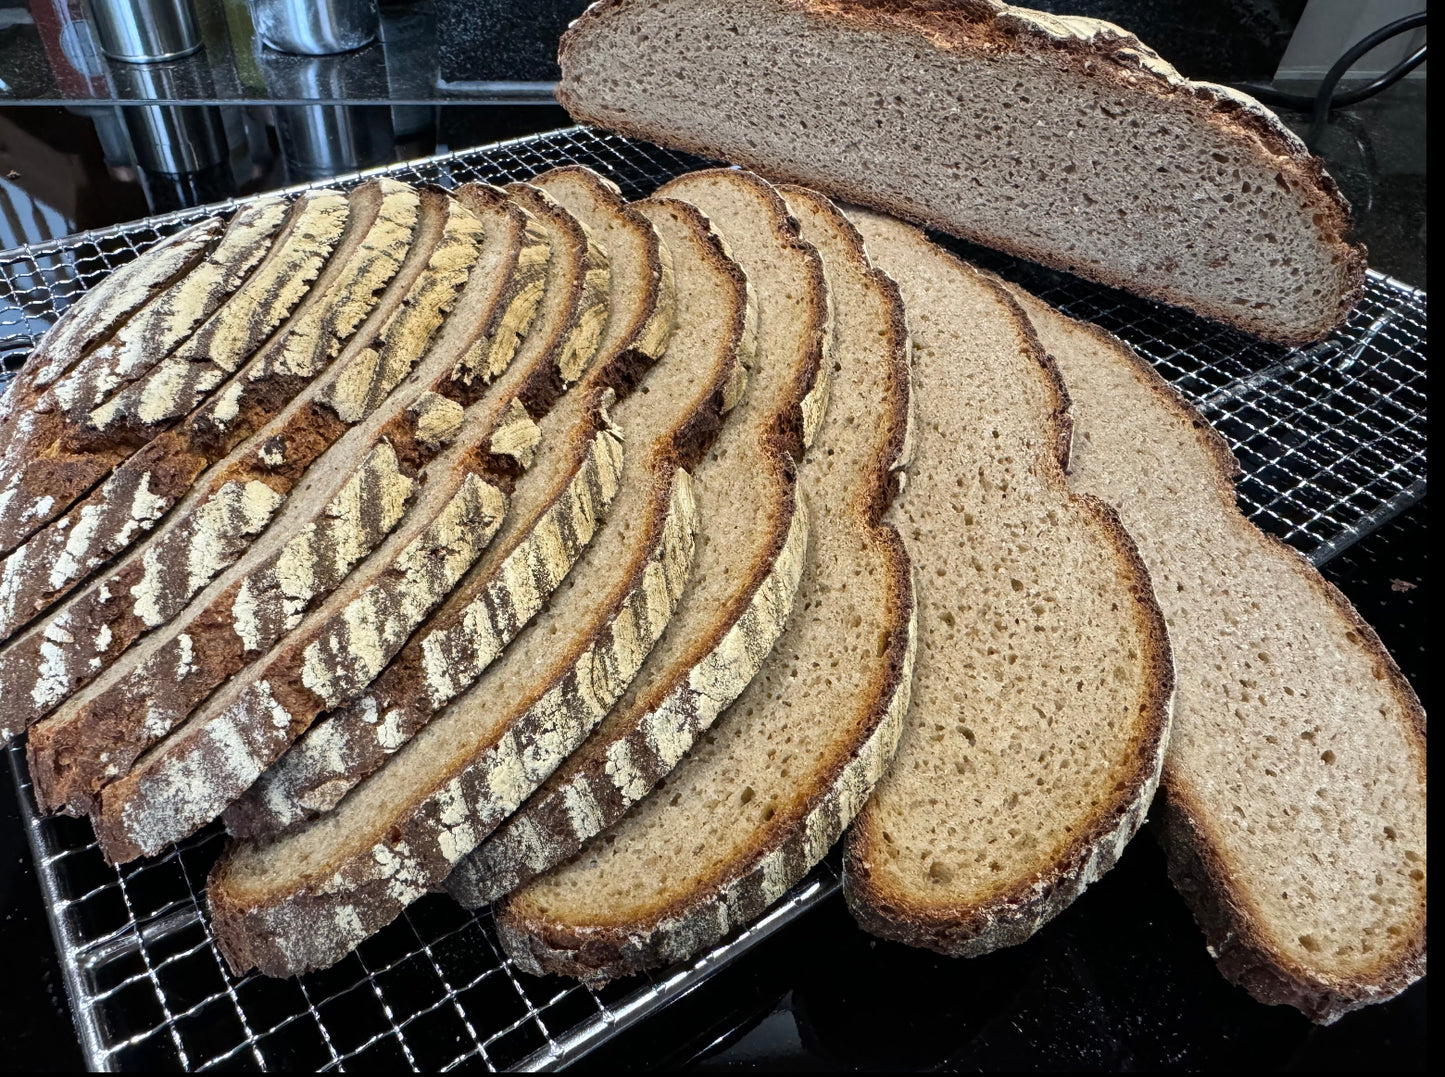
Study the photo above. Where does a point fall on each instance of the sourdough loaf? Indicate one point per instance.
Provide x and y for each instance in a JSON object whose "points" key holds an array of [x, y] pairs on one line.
{"points": [[1059, 139], [306, 898], [321, 658], [766, 791], [752, 538], [39, 485], [1042, 694], [1294, 787], [132, 501], [68, 455], [556, 507]]}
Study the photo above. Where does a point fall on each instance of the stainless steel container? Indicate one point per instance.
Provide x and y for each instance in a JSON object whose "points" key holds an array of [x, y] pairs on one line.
{"points": [[145, 31], [315, 27]]}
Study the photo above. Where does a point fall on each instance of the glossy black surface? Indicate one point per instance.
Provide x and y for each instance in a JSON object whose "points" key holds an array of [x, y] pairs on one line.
{"points": [[1120, 981]]}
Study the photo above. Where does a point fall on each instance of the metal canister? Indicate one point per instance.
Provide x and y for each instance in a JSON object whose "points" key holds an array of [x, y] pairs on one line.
{"points": [[145, 31], [315, 27]]}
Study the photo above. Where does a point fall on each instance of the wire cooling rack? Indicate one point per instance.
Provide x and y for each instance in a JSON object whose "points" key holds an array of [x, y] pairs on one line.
{"points": [[1331, 439]]}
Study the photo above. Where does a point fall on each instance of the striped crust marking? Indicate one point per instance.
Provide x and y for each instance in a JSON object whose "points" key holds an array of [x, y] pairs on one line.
{"points": [[190, 777], [782, 848], [170, 318], [775, 865], [452, 650], [103, 737], [146, 486], [592, 791], [99, 312], [218, 348], [204, 534], [494, 350], [409, 845]]}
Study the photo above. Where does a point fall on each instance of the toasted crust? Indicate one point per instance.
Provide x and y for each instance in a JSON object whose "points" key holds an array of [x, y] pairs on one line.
{"points": [[1010, 916], [798, 836], [1214, 890], [1104, 52], [611, 772]]}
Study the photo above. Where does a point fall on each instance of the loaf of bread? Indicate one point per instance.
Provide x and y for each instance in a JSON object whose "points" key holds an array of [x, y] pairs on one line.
{"points": [[1059, 139], [1294, 788]]}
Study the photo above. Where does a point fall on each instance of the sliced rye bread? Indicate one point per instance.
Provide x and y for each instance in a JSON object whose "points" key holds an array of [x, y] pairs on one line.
{"points": [[91, 320], [339, 647], [67, 455], [148, 482], [1042, 693], [1294, 786], [223, 474], [766, 791], [752, 540], [1060, 139], [555, 509], [132, 352], [307, 898], [341, 511]]}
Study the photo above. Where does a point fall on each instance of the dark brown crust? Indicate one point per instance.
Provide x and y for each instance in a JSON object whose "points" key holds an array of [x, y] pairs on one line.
{"points": [[1010, 917], [546, 811], [245, 928], [960, 26], [1196, 865], [735, 894]]}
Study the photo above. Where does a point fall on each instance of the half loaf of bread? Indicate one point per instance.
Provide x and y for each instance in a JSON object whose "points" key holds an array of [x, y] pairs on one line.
{"points": [[767, 790], [1295, 784], [1042, 693], [1059, 139]]}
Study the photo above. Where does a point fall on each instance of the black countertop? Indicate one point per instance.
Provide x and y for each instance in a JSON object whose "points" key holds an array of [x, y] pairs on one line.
{"points": [[822, 994]]}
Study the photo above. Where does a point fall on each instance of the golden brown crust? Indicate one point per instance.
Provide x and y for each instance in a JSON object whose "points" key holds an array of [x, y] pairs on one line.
{"points": [[1197, 867], [1011, 916], [958, 25], [797, 836]]}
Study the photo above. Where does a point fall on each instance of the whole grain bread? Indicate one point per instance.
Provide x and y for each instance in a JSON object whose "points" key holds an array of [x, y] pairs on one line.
{"points": [[67, 454], [1042, 693], [59, 415], [147, 483], [306, 898], [766, 791], [1294, 786], [1060, 139], [555, 510], [752, 539]]}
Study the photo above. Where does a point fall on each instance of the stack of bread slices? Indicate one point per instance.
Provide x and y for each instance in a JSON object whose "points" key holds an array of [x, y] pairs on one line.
{"points": [[557, 550]]}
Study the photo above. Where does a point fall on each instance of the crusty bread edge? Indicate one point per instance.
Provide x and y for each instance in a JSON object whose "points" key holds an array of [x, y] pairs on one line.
{"points": [[1196, 867], [1117, 58], [775, 861], [1011, 916]]}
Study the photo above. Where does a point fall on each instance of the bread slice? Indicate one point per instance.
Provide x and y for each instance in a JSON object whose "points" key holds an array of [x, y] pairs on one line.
{"points": [[338, 648], [752, 539], [1294, 787], [1042, 695], [223, 474], [305, 899], [766, 791], [314, 544], [1059, 139], [67, 454], [555, 510], [147, 483], [133, 351], [91, 320]]}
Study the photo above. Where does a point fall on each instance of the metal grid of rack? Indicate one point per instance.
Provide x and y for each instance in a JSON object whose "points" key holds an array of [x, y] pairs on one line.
{"points": [[1331, 442]]}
